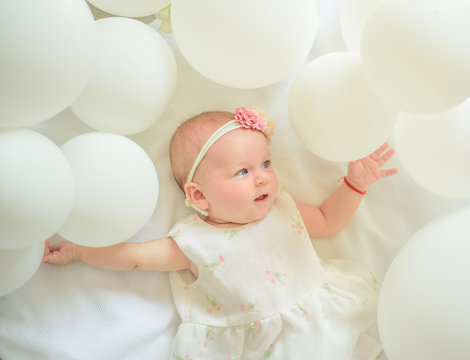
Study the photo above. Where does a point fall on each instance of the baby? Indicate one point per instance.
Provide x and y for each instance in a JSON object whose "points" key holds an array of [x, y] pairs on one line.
{"points": [[245, 277]]}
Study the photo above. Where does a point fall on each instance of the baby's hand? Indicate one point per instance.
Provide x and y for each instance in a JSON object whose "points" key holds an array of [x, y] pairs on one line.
{"points": [[367, 170], [61, 254]]}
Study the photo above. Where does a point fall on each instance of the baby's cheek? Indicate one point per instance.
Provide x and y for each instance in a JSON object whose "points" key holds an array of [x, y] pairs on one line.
{"points": [[229, 198], [274, 182]]}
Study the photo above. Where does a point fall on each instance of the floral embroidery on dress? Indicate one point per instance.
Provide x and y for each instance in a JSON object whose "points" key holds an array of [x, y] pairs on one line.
{"points": [[187, 287], [297, 225], [187, 357], [175, 234], [249, 308], [213, 306], [209, 336], [275, 275], [254, 327], [269, 351], [304, 313], [377, 283], [233, 232], [215, 265]]}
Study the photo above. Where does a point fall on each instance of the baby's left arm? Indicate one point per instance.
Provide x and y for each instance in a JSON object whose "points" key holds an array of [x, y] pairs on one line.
{"points": [[337, 210]]}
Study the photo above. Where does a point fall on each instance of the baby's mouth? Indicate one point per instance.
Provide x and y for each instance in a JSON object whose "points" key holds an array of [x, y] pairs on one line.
{"points": [[262, 197]]}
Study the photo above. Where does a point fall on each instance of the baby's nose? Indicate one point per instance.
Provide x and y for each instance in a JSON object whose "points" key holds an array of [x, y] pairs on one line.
{"points": [[260, 180]]}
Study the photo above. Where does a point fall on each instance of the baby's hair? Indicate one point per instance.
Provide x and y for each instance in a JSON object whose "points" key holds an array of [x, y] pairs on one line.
{"points": [[189, 138]]}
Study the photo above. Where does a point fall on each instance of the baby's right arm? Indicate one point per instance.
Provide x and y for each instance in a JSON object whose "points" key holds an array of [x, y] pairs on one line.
{"points": [[158, 255]]}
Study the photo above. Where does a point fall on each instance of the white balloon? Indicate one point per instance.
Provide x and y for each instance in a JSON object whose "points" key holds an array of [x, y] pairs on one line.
{"points": [[48, 50], [353, 17], [36, 188], [423, 305], [17, 266], [116, 189], [133, 81], [417, 53], [435, 150], [335, 112], [244, 43], [131, 8]]}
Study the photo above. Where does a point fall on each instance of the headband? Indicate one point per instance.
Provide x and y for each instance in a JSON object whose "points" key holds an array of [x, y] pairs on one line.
{"points": [[251, 118]]}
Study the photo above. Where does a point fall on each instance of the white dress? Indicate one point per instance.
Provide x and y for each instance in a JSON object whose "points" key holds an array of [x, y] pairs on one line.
{"points": [[262, 293]]}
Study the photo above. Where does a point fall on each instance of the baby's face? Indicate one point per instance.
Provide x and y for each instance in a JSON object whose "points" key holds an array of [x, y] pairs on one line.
{"points": [[237, 178]]}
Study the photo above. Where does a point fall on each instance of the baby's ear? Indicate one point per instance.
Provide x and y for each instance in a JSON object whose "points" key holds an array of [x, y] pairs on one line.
{"points": [[195, 195]]}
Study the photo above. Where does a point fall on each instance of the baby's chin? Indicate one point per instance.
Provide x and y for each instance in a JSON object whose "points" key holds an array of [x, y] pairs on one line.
{"points": [[253, 215], [259, 216]]}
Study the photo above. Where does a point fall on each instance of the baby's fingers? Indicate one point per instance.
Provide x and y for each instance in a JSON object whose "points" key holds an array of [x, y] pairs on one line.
{"points": [[385, 157], [47, 250], [381, 149], [389, 172], [55, 258], [62, 254], [388, 154], [50, 257]]}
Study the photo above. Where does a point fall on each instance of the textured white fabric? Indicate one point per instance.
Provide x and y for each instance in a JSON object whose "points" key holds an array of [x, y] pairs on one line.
{"points": [[263, 293], [367, 348], [80, 312]]}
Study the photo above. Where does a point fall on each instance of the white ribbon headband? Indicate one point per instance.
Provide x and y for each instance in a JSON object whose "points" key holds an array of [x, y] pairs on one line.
{"points": [[227, 127]]}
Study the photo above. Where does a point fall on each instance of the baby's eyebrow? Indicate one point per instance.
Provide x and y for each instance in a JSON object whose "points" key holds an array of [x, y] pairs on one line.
{"points": [[239, 164]]}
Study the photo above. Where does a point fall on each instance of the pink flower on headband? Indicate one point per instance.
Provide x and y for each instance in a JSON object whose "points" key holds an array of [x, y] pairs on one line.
{"points": [[250, 119]]}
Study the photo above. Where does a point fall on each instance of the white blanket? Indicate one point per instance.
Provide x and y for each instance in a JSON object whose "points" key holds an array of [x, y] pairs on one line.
{"points": [[81, 312]]}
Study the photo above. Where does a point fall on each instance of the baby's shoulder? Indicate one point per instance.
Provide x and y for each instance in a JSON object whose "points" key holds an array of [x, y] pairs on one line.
{"points": [[284, 201]]}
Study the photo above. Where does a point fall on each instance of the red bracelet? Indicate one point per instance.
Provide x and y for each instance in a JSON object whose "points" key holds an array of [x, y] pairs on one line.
{"points": [[351, 186]]}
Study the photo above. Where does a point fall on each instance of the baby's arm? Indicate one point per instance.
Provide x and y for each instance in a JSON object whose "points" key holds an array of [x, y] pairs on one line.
{"points": [[337, 210], [159, 255], [332, 215]]}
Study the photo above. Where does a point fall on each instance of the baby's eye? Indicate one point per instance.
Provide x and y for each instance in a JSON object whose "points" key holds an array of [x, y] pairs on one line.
{"points": [[242, 172], [266, 164]]}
